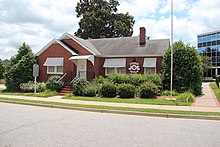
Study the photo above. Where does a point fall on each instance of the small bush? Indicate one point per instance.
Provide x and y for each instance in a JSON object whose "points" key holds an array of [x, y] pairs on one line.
{"points": [[48, 93], [91, 91], [29, 87], [53, 84], [108, 89], [186, 97], [148, 90], [126, 91], [135, 79], [79, 86], [167, 93]]}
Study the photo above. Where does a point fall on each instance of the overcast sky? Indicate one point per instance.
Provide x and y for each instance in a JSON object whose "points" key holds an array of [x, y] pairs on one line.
{"points": [[37, 22]]}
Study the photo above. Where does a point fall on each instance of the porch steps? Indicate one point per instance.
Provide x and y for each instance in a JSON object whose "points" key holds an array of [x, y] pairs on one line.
{"points": [[65, 90]]}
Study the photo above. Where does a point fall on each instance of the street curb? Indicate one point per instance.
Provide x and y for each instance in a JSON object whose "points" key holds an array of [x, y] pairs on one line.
{"points": [[163, 115]]}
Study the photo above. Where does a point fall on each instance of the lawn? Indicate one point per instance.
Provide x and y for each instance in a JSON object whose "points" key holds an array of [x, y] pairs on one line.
{"points": [[132, 100], [112, 108], [42, 94], [216, 90]]}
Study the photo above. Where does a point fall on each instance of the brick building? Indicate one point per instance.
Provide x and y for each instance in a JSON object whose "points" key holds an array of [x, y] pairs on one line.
{"points": [[71, 56]]}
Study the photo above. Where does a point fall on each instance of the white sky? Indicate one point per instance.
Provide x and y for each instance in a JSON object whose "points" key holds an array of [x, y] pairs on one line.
{"points": [[37, 22]]}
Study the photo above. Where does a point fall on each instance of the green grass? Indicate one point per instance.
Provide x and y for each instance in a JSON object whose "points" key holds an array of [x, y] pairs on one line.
{"points": [[44, 94], [114, 108], [132, 100], [216, 90]]}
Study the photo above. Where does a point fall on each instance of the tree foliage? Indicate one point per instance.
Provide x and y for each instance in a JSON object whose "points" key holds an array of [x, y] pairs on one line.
{"points": [[2, 69], [100, 17], [20, 69], [206, 63], [187, 69]]}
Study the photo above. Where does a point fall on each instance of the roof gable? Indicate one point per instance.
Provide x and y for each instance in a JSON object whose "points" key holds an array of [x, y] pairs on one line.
{"points": [[51, 43], [84, 43]]}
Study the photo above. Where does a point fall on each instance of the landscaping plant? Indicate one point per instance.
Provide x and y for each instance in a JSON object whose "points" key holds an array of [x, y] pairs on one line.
{"points": [[148, 90], [54, 84], [126, 91], [187, 69], [108, 89], [79, 86]]}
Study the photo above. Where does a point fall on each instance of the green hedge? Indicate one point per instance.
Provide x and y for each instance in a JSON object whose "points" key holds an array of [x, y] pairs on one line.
{"points": [[148, 90], [53, 84], [135, 79], [79, 86], [126, 91], [108, 89]]}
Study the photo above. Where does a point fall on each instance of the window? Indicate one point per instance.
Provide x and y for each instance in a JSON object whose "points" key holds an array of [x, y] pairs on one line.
{"points": [[149, 70], [54, 69], [50, 69], [109, 71], [120, 70], [60, 69]]}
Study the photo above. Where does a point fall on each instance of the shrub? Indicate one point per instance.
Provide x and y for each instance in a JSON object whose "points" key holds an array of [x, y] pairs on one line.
{"points": [[108, 89], [217, 80], [53, 84], [29, 87], [187, 69], [135, 79], [148, 90], [79, 86], [167, 93], [126, 91], [48, 93], [91, 90], [186, 97]]}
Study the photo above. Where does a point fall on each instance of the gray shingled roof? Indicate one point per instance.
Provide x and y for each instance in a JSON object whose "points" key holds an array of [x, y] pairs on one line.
{"points": [[127, 46], [87, 44]]}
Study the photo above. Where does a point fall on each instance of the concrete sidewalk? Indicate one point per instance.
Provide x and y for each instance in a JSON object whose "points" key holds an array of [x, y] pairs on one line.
{"points": [[160, 107], [207, 101]]}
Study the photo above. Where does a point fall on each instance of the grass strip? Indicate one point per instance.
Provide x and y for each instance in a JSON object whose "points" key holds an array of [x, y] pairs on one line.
{"points": [[115, 108], [216, 90], [130, 101], [42, 94]]}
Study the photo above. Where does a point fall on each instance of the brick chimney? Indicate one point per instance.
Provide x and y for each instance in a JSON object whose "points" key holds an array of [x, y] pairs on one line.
{"points": [[142, 36]]}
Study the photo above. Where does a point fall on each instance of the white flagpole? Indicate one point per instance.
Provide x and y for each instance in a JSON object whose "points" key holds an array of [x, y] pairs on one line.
{"points": [[171, 75]]}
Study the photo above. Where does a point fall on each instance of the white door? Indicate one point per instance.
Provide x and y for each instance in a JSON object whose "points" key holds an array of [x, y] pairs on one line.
{"points": [[81, 68]]}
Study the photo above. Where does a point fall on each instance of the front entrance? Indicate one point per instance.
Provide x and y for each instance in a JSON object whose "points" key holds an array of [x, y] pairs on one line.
{"points": [[81, 68]]}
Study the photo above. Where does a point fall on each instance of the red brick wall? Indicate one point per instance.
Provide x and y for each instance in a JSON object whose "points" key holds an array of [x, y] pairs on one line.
{"points": [[56, 50]]}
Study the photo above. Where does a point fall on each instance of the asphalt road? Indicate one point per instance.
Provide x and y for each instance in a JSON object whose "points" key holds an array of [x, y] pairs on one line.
{"points": [[27, 126]]}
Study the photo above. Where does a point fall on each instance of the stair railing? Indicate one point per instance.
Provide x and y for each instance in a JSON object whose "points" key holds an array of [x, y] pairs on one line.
{"points": [[62, 77]]}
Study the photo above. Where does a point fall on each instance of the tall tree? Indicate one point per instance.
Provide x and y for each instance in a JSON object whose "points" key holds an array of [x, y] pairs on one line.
{"points": [[2, 69], [100, 17], [206, 63], [187, 69], [20, 69]]}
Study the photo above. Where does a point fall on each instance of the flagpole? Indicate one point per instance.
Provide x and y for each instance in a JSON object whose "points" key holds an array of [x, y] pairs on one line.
{"points": [[171, 74]]}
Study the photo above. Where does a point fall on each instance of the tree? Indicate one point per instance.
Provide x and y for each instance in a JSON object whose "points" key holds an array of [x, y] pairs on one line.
{"points": [[100, 18], [187, 69], [20, 68], [206, 63], [2, 69]]}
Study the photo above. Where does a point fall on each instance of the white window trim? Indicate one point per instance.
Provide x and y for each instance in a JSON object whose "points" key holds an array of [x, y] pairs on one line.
{"points": [[115, 70], [145, 70], [55, 71]]}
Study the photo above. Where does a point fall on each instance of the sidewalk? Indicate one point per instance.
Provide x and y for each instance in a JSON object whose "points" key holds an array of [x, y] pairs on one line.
{"points": [[207, 101], [160, 107]]}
